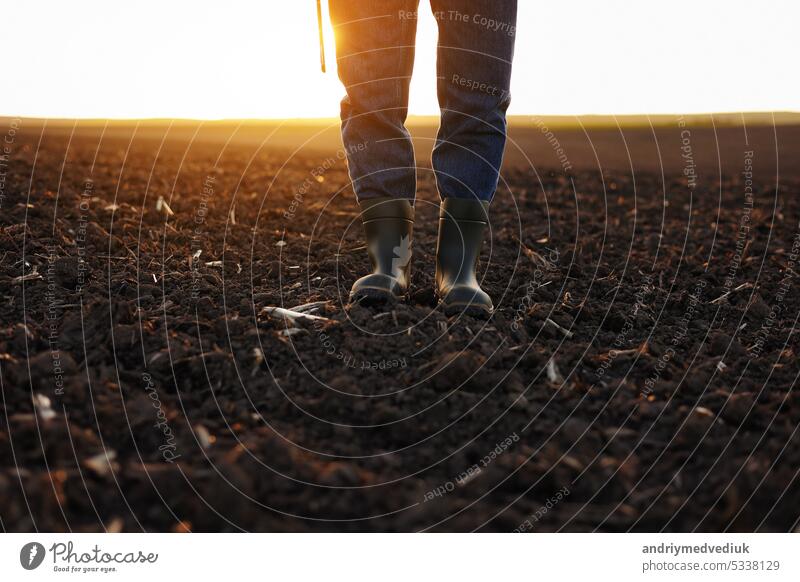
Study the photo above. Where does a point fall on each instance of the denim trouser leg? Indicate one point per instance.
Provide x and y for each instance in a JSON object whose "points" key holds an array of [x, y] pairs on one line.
{"points": [[375, 58], [476, 47]]}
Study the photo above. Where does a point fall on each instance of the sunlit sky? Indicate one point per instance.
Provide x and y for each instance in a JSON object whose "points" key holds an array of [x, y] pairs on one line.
{"points": [[259, 59]]}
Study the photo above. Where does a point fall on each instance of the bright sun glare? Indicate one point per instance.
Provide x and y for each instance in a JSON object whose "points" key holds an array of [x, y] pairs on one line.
{"points": [[260, 59]]}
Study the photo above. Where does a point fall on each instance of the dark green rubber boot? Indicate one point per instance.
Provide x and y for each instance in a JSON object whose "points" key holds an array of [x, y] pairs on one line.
{"points": [[461, 229], [388, 225]]}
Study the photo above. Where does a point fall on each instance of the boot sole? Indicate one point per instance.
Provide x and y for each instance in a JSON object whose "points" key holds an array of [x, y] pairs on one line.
{"points": [[374, 297]]}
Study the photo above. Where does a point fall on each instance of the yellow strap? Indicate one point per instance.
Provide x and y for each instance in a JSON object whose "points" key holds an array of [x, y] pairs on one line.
{"points": [[321, 39]]}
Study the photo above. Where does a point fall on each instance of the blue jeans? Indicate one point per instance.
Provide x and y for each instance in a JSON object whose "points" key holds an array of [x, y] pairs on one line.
{"points": [[375, 57]]}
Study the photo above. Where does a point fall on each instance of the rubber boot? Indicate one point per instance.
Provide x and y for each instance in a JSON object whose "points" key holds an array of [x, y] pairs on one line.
{"points": [[461, 229], [388, 225]]}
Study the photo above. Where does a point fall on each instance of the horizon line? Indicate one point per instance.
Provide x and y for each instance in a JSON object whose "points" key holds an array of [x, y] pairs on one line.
{"points": [[727, 118]]}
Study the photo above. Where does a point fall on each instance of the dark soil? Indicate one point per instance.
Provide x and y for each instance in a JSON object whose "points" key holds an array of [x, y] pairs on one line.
{"points": [[639, 372]]}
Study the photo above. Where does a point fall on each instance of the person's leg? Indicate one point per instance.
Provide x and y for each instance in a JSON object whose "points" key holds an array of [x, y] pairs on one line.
{"points": [[476, 47], [375, 58]]}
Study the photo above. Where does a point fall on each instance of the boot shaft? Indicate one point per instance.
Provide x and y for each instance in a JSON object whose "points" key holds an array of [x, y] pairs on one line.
{"points": [[388, 228], [462, 225]]}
